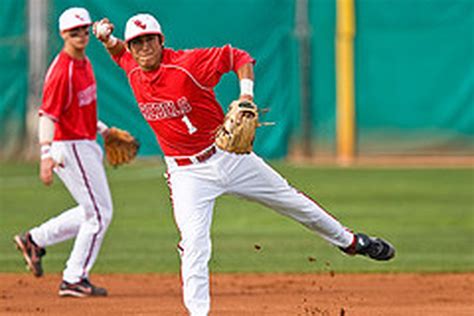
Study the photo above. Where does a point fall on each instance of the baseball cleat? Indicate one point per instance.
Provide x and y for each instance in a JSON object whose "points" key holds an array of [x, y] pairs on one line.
{"points": [[372, 247], [82, 288], [31, 253]]}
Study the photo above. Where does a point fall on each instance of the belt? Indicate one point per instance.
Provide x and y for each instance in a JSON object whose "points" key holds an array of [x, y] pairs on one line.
{"points": [[196, 159]]}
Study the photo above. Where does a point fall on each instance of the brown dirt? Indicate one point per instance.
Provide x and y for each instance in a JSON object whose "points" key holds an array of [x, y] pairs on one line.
{"points": [[251, 294], [437, 158], [384, 161]]}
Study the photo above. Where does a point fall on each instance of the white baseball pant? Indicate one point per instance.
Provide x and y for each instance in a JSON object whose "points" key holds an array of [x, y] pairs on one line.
{"points": [[84, 176], [194, 189]]}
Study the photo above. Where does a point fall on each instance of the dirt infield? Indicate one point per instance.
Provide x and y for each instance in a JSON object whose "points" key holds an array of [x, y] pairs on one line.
{"points": [[251, 294]]}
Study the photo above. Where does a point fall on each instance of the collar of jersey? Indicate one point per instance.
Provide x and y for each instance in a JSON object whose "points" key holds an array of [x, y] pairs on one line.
{"points": [[151, 76]]}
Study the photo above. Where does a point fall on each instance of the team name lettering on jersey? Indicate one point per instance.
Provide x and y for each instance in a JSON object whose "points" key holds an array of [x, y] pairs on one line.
{"points": [[165, 110], [87, 96]]}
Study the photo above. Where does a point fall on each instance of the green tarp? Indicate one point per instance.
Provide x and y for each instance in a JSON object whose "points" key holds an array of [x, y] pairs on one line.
{"points": [[13, 74], [414, 68]]}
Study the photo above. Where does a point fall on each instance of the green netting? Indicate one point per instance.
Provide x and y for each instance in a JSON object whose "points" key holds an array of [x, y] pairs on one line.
{"points": [[414, 67], [322, 16], [415, 75], [14, 74], [263, 28]]}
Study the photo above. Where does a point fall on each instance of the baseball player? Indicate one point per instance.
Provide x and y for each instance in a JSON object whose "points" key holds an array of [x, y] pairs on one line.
{"points": [[174, 91], [67, 134]]}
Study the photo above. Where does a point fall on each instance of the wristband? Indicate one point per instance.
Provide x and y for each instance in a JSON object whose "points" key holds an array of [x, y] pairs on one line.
{"points": [[111, 42], [45, 151], [246, 87], [101, 127]]}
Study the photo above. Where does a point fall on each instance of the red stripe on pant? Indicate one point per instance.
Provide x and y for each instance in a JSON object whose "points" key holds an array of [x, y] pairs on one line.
{"points": [[94, 203]]}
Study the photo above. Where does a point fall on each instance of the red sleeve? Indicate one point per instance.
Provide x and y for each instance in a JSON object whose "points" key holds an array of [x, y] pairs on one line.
{"points": [[125, 60], [211, 63], [56, 93], [240, 58]]}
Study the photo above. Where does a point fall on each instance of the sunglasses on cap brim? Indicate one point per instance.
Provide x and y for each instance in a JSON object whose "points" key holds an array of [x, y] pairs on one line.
{"points": [[78, 30]]}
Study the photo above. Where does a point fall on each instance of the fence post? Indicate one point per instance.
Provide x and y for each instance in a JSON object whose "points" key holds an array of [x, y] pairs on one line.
{"points": [[37, 61], [303, 34], [345, 81]]}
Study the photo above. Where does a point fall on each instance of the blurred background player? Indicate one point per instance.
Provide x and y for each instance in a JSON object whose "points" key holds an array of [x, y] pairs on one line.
{"points": [[174, 91], [68, 127]]}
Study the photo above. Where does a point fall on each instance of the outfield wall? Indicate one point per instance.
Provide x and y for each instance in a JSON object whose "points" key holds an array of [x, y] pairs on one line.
{"points": [[414, 68]]}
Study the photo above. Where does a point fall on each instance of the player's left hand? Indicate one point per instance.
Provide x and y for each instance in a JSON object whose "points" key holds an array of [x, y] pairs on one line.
{"points": [[237, 133], [246, 97]]}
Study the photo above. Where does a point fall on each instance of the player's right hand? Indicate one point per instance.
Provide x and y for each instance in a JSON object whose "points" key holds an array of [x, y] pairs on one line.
{"points": [[103, 29], [46, 170]]}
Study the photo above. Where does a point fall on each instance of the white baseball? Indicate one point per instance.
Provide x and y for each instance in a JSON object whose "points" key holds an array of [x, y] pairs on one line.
{"points": [[103, 30]]}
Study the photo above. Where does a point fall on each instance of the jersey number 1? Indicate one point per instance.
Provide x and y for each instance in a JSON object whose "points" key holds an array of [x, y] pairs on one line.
{"points": [[189, 125]]}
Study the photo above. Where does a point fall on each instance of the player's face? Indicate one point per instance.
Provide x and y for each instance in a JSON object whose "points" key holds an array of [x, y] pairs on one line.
{"points": [[77, 37], [146, 50]]}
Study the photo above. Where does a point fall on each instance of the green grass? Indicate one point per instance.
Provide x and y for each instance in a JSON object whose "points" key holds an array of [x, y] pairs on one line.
{"points": [[428, 214]]}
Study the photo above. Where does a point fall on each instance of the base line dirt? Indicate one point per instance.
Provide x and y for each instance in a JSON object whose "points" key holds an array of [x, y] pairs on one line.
{"points": [[250, 294]]}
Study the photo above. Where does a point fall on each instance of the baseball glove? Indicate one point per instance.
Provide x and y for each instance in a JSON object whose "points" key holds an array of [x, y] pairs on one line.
{"points": [[237, 133], [120, 146]]}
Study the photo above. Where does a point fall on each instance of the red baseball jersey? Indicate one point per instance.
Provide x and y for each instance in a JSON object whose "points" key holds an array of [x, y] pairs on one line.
{"points": [[70, 98], [178, 99]]}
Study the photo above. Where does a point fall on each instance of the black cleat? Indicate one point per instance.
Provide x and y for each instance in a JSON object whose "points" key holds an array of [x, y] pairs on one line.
{"points": [[31, 253], [82, 288], [372, 247]]}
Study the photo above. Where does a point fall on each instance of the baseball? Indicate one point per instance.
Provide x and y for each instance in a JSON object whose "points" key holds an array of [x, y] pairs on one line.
{"points": [[103, 30]]}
